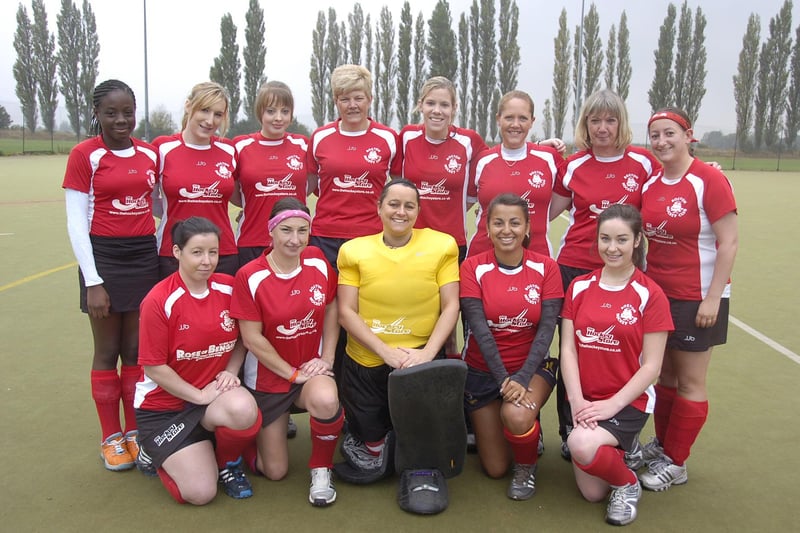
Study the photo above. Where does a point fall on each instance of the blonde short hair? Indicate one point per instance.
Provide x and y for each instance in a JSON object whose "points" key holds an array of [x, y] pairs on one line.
{"points": [[348, 78], [599, 102], [273, 94], [203, 96]]}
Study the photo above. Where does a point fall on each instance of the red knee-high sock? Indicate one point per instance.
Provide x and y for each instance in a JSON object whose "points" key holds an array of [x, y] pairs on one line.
{"points": [[608, 464], [128, 377], [324, 436], [665, 396], [687, 420], [170, 485], [106, 393], [232, 442], [524, 447]]}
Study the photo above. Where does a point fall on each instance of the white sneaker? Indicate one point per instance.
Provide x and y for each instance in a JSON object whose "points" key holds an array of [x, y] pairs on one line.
{"points": [[622, 504], [652, 451], [322, 491], [662, 474]]}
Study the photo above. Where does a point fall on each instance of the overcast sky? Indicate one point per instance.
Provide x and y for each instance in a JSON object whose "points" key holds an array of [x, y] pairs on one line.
{"points": [[184, 38]]}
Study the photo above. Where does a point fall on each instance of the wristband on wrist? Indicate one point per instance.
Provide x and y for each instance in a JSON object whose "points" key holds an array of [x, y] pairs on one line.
{"points": [[295, 373]]}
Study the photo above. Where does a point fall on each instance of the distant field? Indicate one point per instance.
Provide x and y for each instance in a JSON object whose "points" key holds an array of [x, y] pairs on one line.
{"points": [[14, 146]]}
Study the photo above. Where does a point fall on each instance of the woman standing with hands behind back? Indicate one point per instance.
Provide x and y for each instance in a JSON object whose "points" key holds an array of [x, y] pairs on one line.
{"points": [[690, 220]]}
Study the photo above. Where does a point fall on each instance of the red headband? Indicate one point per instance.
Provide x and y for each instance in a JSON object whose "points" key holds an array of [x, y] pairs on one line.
{"points": [[682, 122]]}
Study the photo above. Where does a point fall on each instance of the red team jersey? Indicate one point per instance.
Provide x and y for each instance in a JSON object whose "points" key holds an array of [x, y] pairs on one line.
{"points": [[512, 302], [119, 184], [441, 171], [677, 216], [196, 181], [531, 178], [290, 308], [267, 170], [609, 332], [352, 171], [193, 336], [595, 183]]}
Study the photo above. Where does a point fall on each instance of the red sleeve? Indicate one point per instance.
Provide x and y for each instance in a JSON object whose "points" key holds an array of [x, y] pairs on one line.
{"points": [[553, 286], [657, 314], [397, 163], [566, 308], [311, 161], [153, 332], [78, 173], [243, 305], [469, 286], [718, 198]]}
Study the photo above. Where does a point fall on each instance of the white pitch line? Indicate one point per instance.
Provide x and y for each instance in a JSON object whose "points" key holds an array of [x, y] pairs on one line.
{"points": [[766, 340], [5, 234]]}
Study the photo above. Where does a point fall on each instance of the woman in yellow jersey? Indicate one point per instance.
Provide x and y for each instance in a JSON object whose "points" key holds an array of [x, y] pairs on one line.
{"points": [[398, 301]]}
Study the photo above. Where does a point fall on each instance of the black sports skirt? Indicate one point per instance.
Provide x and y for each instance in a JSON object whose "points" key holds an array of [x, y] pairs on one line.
{"points": [[129, 268]]}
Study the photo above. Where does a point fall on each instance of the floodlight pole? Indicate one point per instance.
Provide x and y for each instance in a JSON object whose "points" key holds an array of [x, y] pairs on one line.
{"points": [[146, 89]]}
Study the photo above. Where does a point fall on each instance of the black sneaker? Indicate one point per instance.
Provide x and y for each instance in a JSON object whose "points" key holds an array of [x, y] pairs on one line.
{"points": [[234, 482], [291, 429]]}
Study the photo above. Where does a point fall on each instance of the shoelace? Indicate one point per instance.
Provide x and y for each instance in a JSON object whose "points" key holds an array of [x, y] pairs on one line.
{"points": [[522, 476], [118, 448]]}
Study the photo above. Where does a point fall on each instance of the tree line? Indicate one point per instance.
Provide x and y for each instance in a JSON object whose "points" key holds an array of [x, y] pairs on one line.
{"points": [[41, 72], [766, 86], [477, 49]]}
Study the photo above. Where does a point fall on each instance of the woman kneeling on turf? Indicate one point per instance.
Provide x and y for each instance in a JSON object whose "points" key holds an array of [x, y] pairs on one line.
{"points": [[190, 395], [510, 297], [285, 301], [614, 329]]}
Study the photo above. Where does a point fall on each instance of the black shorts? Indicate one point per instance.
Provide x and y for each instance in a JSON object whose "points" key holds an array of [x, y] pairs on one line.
{"points": [[365, 396], [129, 268], [330, 247], [228, 264], [273, 404], [481, 389], [248, 253], [150, 422], [625, 426], [569, 273], [687, 337]]}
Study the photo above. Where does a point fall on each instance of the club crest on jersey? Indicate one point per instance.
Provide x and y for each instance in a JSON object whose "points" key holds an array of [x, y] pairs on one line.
{"points": [[677, 208], [223, 170], [628, 315], [453, 164], [227, 322], [317, 296], [151, 178], [630, 182], [537, 180], [533, 294], [294, 162], [373, 155]]}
